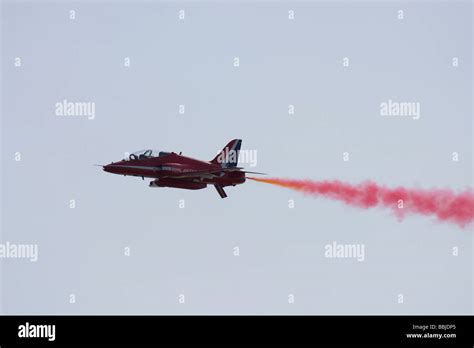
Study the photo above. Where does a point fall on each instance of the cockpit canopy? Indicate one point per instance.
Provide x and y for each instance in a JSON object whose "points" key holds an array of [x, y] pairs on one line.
{"points": [[142, 154]]}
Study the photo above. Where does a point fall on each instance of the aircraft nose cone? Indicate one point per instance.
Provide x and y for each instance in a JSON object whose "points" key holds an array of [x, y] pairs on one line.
{"points": [[112, 168]]}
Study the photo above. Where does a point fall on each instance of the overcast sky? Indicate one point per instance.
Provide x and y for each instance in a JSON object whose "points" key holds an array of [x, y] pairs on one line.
{"points": [[50, 54]]}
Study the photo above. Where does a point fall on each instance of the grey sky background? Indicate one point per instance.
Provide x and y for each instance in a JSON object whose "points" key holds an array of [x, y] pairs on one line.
{"points": [[190, 251]]}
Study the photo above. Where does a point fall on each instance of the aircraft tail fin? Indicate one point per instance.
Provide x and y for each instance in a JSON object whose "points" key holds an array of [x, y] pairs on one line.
{"points": [[229, 156], [220, 191]]}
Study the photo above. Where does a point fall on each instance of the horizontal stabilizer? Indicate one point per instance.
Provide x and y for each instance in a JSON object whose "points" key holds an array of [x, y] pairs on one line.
{"points": [[239, 169], [254, 172]]}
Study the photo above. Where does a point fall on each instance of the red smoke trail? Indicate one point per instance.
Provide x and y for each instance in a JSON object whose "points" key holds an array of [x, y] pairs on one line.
{"points": [[444, 204]]}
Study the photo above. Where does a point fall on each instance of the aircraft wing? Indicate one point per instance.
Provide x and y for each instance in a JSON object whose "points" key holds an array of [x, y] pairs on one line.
{"points": [[209, 173], [196, 174]]}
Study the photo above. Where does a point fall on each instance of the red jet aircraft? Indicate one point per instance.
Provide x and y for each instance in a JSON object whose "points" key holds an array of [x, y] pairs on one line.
{"points": [[170, 169]]}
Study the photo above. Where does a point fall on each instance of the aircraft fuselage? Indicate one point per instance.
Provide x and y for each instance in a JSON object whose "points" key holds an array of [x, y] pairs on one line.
{"points": [[169, 169]]}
